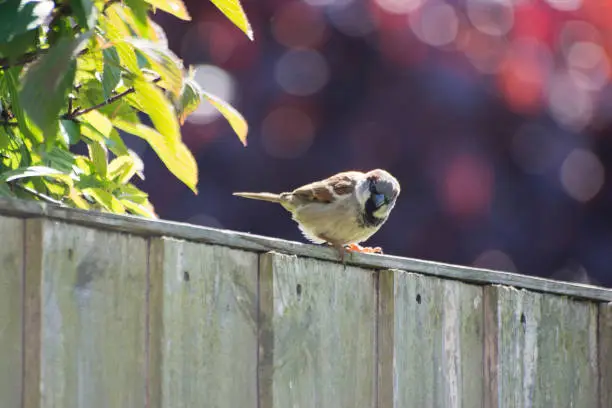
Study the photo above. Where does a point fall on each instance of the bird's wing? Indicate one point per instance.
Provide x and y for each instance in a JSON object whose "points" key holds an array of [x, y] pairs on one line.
{"points": [[326, 191]]}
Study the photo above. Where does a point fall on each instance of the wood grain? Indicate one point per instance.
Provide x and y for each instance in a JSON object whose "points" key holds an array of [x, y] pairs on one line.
{"points": [[11, 298], [147, 227], [204, 334], [317, 335], [437, 342], [91, 317], [546, 349], [605, 355]]}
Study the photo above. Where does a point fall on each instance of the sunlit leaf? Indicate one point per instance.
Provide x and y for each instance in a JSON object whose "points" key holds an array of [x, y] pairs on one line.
{"points": [[189, 100], [99, 157], [235, 119], [106, 199], [139, 209], [98, 127], [32, 171], [175, 155], [48, 81], [163, 61], [70, 132], [136, 14], [116, 30], [75, 196], [234, 11], [174, 7], [123, 168], [159, 109]]}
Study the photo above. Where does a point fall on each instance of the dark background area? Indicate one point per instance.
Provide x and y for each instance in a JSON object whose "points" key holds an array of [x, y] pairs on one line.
{"points": [[494, 117]]}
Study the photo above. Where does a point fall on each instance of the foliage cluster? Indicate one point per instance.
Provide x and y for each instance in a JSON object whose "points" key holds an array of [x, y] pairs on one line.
{"points": [[86, 72]]}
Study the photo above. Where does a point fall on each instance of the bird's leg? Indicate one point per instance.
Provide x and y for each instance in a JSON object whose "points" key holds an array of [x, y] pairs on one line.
{"points": [[367, 250], [341, 251]]}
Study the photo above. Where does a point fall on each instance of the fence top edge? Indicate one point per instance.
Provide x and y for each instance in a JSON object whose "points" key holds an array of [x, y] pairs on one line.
{"points": [[160, 228]]}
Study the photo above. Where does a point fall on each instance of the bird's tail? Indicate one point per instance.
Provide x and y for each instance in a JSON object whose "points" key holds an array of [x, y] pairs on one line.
{"points": [[274, 198]]}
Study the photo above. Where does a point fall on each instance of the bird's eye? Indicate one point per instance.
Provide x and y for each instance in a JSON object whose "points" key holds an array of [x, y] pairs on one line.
{"points": [[379, 200]]}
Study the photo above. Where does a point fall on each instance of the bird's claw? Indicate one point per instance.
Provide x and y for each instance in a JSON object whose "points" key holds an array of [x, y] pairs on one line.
{"points": [[366, 250]]}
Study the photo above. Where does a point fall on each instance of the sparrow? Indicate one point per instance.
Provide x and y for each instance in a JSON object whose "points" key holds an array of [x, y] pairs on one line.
{"points": [[342, 210]]}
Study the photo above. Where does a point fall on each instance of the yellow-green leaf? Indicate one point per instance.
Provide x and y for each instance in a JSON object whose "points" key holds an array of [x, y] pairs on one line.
{"points": [[106, 199], [174, 7], [189, 99], [175, 155], [235, 119], [99, 157], [159, 109], [139, 209], [123, 168], [234, 11]]}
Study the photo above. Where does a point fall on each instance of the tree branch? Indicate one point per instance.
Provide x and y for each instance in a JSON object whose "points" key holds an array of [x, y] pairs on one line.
{"points": [[35, 193], [114, 98], [24, 59]]}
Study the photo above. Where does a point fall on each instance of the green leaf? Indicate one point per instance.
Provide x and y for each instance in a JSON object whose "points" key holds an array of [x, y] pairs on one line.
{"points": [[111, 75], [139, 209], [106, 199], [174, 7], [19, 45], [5, 191], [70, 132], [19, 16], [59, 159], [234, 11], [189, 100], [99, 158], [48, 81], [123, 168], [26, 125], [85, 12], [98, 127], [140, 19], [159, 109], [175, 155], [32, 171], [163, 61], [235, 119], [116, 30]]}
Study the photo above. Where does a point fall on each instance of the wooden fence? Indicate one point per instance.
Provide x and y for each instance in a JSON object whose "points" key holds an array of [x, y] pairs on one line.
{"points": [[99, 310]]}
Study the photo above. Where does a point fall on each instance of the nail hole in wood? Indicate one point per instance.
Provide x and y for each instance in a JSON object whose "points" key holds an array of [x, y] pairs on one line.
{"points": [[418, 298], [186, 276], [70, 253], [523, 320], [298, 290]]}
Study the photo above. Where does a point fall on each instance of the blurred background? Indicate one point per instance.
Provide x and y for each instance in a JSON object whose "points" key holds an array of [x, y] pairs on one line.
{"points": [[494, 115]]}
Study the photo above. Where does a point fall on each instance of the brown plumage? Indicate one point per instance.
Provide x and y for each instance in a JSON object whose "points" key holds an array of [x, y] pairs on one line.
{"points": [[344, 209]]}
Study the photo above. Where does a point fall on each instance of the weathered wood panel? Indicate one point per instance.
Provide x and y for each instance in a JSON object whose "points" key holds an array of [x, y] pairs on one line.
{"points": [[203, 326], [146, 227], [435, 330], [11, 277], [90, 319], [542, 350], [317, 334], [605, 355]]}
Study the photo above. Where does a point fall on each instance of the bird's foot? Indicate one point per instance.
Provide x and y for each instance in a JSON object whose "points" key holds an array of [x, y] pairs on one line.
{"points": [[366, 250]]}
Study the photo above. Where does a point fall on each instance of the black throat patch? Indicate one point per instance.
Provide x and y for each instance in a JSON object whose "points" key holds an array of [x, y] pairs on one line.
{"points": [[368, 219]]}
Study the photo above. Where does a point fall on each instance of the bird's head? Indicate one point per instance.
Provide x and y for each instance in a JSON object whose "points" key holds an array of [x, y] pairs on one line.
{"points": [[379, 193]]}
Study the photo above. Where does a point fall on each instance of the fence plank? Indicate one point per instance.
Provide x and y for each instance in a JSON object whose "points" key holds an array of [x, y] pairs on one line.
{"points": [[317, 334], [546, 349], [92, 320], [11, 275], [204, 337], [437, 341], [605, 354]]}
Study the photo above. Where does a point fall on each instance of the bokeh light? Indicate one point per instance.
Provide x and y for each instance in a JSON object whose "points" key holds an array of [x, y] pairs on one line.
{"points": [[570, 104], [582, 175], [302, 72], [495, 259], [491, 17], [287, 133], [297, 24], [219, 83], [436, 23]]}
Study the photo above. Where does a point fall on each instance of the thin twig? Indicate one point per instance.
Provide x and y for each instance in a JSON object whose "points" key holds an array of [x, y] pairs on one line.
{"points": [[114, 98], [35, 193]]}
